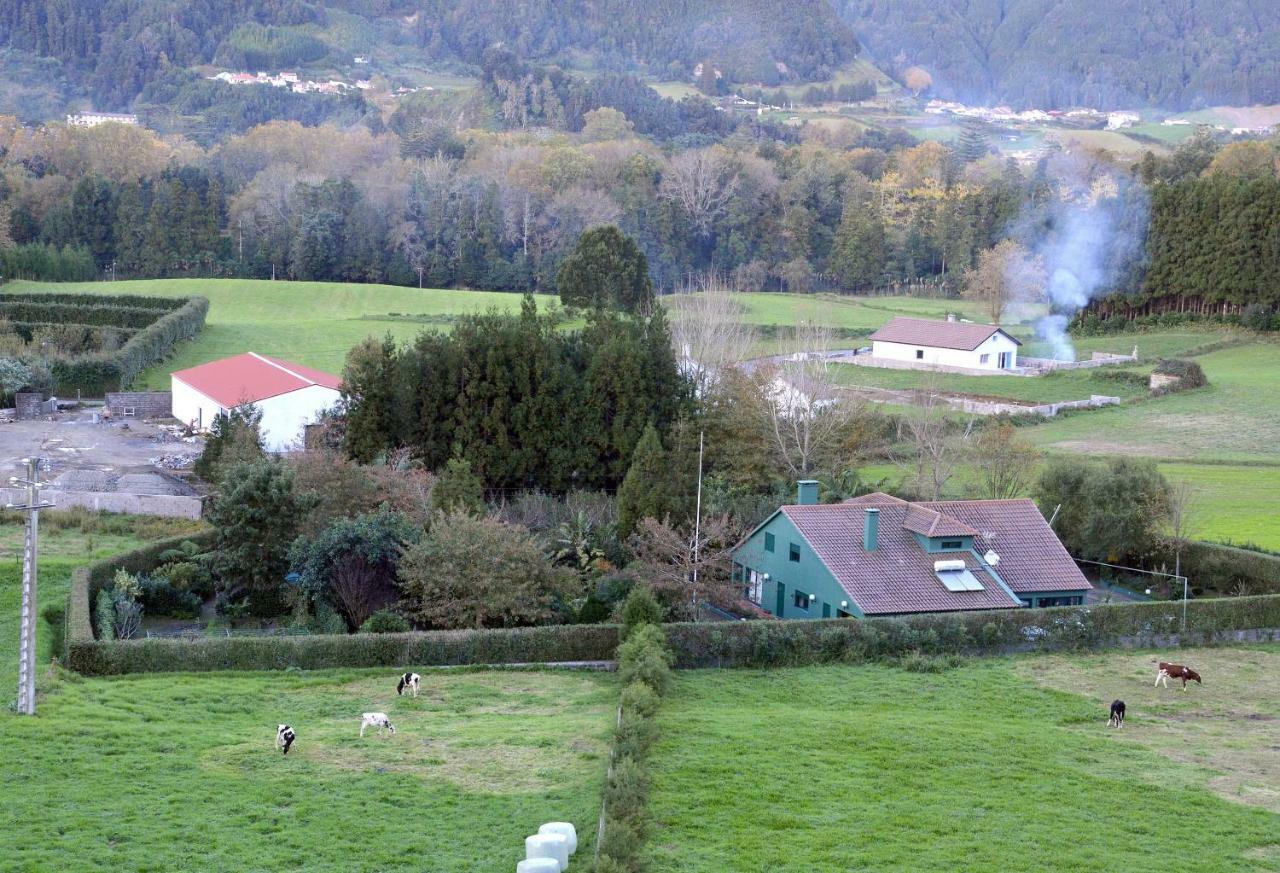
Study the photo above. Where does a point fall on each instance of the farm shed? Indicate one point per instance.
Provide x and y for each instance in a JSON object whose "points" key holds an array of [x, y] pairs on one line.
{"points": [[878, 555], [948, 343], [289, 396]]}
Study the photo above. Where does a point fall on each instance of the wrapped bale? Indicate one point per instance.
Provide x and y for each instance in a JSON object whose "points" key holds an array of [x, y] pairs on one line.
{"points": [[565, 828], [538, 865], [555, 846]]}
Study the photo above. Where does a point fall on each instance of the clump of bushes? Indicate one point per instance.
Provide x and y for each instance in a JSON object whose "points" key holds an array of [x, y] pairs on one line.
{"points": [[1188, 373], [644, 666], [117, 611], [384, 621]]}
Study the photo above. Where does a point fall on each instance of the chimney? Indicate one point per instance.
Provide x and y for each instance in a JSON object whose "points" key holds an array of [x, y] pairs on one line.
{"points": [[807, 492], [951, 316], [870, 529]]}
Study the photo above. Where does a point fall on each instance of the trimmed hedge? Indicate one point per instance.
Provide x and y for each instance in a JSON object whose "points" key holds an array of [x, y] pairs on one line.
{"points": [[1228, 569], [430, 648], [89, 314], [797, 643], [96, 374], [68, 298]]}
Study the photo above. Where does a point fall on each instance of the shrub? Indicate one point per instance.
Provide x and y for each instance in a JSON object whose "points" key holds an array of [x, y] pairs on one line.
{"points": [[105, 615], [644, 657], [1188, 373], [628, 788], [639, 698], [640, 608], [160, 597], [55, 615], [326, 620], [385, 621], [635, 732]]}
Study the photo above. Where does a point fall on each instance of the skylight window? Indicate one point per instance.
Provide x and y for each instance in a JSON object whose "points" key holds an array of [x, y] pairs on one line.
{"points": [[959, 580]]}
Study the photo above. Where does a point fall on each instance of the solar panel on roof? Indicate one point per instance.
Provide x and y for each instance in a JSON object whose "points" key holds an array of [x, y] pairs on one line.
{"points": [[959, 580]]}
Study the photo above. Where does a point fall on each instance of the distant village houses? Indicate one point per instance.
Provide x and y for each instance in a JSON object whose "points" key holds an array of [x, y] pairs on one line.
{"points": [[93, 119], [293, 82]]}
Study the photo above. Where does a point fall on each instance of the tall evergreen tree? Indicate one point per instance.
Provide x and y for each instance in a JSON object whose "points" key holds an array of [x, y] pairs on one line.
{"points": [[646, 490]]}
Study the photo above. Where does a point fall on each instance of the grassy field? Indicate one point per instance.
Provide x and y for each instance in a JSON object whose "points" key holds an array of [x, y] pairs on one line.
{"points": [[977, 769], [312, 323], [1225, 421], [157, 773], [1053, 388]]}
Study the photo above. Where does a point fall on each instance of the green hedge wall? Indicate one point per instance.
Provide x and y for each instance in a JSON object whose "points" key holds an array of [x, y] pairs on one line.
{"points": [[1228, 570], [93, 314], [95, 375], [795, 643], [136, 301]]}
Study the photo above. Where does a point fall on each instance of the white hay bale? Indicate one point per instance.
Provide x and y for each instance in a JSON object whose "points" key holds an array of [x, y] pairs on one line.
{"points": [[548, 846], [538, 865], [562, 827]]}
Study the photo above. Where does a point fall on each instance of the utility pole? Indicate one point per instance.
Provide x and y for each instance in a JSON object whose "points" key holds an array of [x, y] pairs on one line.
{"points": [[27, 647], [697, 529]]}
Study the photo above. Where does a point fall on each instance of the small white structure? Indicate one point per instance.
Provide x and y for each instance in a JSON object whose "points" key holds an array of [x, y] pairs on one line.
{"points": [[93, 119], [553, 846], [289, 396], [948, 343]]}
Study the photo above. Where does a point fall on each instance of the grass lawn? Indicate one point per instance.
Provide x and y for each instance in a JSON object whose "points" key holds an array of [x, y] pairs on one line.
{"points": [[976, 769], [1233, 504], [312, 323], [1053, 388]]}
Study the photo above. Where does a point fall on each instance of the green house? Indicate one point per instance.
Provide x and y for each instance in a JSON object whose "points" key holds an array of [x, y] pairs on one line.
{"points": [[880, 555]]}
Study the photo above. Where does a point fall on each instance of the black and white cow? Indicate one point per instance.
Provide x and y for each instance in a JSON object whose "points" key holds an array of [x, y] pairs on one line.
{"points": [[410, 681], [284, 738], [375, 719], [1117, 714]]}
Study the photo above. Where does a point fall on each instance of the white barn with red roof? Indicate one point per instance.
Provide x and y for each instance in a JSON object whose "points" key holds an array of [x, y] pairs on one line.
{"points": [[926, 342], [289, 396]]}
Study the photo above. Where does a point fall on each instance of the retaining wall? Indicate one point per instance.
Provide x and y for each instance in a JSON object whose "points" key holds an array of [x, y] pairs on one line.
{"points": [[146, 404], [165, 505]]}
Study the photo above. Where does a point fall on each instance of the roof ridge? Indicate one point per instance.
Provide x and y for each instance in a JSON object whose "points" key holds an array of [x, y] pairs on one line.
{"points": [[283, 369]]}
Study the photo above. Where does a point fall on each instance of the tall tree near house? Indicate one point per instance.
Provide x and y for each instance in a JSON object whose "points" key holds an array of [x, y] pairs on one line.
{"points": [[804, 409], [1006, 273], [1005, 462], [708, 332], [368, 396], [1108, 512], [470, 572], [1181, 522], [605, 269]]}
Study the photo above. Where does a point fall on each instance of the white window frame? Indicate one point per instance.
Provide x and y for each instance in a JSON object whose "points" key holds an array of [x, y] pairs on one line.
{"points": [[755, 587]]}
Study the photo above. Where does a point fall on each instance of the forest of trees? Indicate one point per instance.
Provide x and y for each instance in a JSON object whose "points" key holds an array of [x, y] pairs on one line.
{"points": [[1062, 53]]}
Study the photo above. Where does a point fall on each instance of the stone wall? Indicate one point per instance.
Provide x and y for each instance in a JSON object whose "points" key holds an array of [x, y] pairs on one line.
{"points": [[166, 505], [146, 404], [28, 405]]}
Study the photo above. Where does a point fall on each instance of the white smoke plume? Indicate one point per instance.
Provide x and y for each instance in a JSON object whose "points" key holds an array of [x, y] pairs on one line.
{"points": [[1088, 233]]}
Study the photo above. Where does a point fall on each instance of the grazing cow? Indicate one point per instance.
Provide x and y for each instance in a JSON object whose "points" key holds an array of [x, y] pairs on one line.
{"points": [[1177, 671], [410, 681], [375, 719], [284, 738], [1117, 714]]}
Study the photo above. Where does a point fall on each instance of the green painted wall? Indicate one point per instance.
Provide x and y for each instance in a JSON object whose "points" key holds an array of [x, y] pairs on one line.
{"points": [[808, 575]]}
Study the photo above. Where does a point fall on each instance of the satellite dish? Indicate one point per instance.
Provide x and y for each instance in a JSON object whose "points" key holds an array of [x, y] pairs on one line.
{"points": [[991, 558]]}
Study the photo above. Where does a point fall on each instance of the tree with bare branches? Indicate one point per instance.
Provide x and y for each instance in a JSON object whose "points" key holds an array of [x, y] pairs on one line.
{"points": [[690, 566], [702, 183], [1006, 273], [936, 448], [1181, 520], [708, 331], [1006, 463]]}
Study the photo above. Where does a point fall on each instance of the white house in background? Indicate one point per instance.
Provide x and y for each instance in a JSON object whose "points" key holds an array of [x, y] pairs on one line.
{"points": [[290, 396], [946, 343]]}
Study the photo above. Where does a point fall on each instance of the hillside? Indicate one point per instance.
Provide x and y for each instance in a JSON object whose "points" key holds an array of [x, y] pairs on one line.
{"points": [[1175, 54]]}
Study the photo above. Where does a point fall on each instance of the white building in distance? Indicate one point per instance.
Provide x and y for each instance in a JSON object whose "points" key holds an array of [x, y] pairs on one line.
{"points": [[926, 342], [93, 119], [289, 396]]}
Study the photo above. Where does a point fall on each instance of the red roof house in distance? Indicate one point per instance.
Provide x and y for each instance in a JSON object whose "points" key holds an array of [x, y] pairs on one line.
{"points": [[879, 555], [924, 342], [289, 396]]}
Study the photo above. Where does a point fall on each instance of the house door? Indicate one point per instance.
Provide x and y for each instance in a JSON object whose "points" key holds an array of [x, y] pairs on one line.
{"points": [[826, 610], [1005, 360], [781, 597]]}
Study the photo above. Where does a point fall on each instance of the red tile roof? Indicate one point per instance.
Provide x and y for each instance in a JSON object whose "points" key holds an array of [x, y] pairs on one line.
{"points": [[939, 334], [251, 377], [899, 576]]}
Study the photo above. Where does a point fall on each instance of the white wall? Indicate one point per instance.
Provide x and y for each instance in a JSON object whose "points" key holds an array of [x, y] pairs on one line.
{"points": [[284, 416], [992, 348], [189, 405]]}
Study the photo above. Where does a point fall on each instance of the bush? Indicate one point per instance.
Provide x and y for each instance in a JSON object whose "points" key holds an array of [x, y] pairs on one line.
{"points": [[640, 608], [644, 657], [160, 597], [55, 615], [1188, 373], [105, 615], [385, 622]]}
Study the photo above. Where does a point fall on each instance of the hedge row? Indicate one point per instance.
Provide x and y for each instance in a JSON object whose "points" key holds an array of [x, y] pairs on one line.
{"points": [[95, 375], [1229, 570], [796, 643], [135, 301], [90, 313]]}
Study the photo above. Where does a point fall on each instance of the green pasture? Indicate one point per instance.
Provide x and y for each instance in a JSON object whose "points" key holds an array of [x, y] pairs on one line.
{"points": [[159, 773], [312, 323], [1001, 765], [1052, 388]]}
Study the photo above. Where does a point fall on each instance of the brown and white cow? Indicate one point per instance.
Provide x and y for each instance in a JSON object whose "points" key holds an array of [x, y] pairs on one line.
{"points": [[1177, 671]]}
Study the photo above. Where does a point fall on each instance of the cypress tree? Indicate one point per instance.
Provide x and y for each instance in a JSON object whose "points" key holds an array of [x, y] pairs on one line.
{"points": [[646, 490]]}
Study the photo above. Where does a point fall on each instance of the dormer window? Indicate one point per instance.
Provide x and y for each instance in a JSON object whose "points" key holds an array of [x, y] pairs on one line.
{"points": [[948, 545]]}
